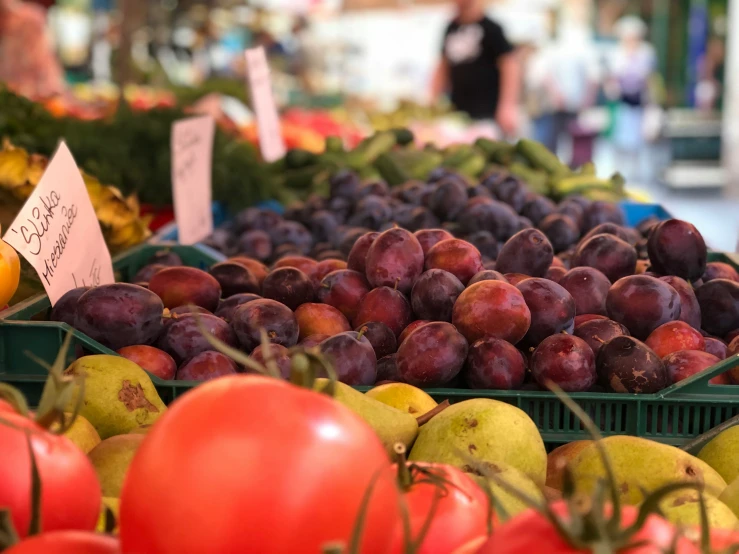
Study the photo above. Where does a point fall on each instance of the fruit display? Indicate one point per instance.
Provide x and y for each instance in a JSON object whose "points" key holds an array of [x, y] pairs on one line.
{"points": [[318, 466], [120, 217]]}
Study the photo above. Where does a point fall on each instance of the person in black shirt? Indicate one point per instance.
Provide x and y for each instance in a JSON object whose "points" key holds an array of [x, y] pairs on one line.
{"points": [[478, 68]]}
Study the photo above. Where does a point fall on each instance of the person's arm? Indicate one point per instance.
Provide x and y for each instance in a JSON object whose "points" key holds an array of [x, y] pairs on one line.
{"points": [[510, 92], [439, 81]]}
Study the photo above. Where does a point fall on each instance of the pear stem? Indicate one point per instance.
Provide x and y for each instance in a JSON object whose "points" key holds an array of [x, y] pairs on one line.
{"points": [[404, 474], [428, 416]]}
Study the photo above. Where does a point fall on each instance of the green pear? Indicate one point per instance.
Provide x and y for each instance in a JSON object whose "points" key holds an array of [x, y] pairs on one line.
{"points": [[486, 431], [722, 453], [390, 424], [111, 459], [512, 505], [683, 509], [730, 496], [404, 397], [641, 465], [81, 433], [119, 395]]}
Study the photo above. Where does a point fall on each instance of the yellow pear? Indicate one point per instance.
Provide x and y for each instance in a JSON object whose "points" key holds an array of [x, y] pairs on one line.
{"points": [[511, 504], [483, 431], [722, 453], [404, 397], [683, 508], [142, 430], [108, 520], [111, 459], [730, 496], [390, 424], [640, 464], [559, 458], [81, 433], [119, 395]]}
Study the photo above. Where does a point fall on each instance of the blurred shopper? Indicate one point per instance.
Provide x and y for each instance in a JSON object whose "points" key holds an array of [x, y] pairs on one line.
{"points": [[563, 77], [631, 69], [478, 68], [28, 64]]}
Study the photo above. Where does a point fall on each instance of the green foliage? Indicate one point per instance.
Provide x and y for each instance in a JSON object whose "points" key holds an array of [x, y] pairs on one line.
{"points": [[132, 152]]}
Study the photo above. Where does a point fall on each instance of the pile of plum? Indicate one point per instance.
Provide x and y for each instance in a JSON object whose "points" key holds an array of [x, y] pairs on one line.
{"points": [[444, 284]]}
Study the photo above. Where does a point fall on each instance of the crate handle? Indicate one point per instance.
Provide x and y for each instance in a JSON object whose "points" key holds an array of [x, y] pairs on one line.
{"points": [[698, 383]]}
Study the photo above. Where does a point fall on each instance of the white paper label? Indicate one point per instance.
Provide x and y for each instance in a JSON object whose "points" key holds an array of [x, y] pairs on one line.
{"points": [[58, 232], [263, 103], [192, 159]]}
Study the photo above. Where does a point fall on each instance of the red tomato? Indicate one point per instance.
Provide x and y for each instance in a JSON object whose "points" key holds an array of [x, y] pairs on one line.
{"points": [[6, 407], [721, 539], [67, 542], [70, 492], [530, 532], [246, 463], [460, 514]]}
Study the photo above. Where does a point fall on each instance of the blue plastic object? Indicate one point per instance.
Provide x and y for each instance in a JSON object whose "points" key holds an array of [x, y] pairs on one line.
{"points": [[637, 212]]}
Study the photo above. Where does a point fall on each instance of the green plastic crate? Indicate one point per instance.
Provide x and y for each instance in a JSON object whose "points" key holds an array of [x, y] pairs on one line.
{"points": [[125, 266]]}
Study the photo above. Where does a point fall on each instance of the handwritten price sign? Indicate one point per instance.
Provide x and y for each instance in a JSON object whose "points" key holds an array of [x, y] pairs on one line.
{"points": [[192, 158], [58, 233], [263, 103]]}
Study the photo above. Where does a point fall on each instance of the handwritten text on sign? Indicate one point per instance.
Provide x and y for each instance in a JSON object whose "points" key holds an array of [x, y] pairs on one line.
{"points": [[192, 157], [58, 233], [263, 103]]}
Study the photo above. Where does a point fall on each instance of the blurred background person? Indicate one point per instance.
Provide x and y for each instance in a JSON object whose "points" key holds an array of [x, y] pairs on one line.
{"points": [[631, 67], [28, 64], [562, 81], [478, 68]]}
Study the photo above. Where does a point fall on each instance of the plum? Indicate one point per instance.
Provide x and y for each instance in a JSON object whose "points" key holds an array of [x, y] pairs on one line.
{"points": [[487, 275], [395, 259], [588, 287], [258, 269], [182, 339], [323, 225], [206, 366], [566, 361], [386, 305], [429, 237], [434, 294], [551, 306], [119, 315], [292, 233], [609, 229], [227, 306], [278, 354], [288, 285], [484, 214], [324, 267], [303, 263], [555, 273], [486, 243], [410, 328], [597, 332], [584, 318], [716, 347], [515, 278], [455, 256], [344, 184], [371, 212], [343, 289], [537, 208], [144, 274], [312, 340], [448, 198], [352, 356], [155, 361], [255, 244], [276, 319], [642, 303], [719, 270], [528, 252], [677, 248], [234, 278], [491, 308], [686, 363], [65, 309], [608, 254], [166, 257], [177, 286], [494, 364], [387, 369], [673, 336], [626, 364], [321, 319], [380, 336], [432, 355], [719, 303], [561, 230], [603, 212], [690, 310]]}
